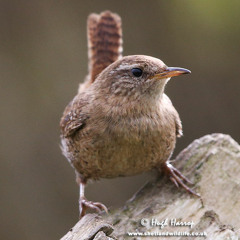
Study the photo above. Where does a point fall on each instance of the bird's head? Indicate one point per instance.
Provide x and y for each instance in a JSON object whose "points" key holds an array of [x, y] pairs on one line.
{"points": [[137, 76]]}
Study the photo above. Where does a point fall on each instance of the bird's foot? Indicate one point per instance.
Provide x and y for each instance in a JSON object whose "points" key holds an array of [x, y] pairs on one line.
{"points": [[177, 177], [85, 204]]}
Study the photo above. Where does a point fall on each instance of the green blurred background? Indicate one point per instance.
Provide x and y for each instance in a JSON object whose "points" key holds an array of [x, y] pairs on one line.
{"points": [[43, 58]]}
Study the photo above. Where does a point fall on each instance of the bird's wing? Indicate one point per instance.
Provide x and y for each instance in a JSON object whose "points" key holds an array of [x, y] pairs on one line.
{"points": [[74, 118], [175, 115], [178, 124], [104, 41]]}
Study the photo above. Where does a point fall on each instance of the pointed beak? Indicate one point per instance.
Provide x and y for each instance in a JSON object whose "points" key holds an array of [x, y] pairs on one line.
{"points": [[171, 72]]}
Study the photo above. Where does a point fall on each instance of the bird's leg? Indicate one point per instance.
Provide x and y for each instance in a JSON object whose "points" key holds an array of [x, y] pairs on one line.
{"points": [[177, 177], [84, 204]]}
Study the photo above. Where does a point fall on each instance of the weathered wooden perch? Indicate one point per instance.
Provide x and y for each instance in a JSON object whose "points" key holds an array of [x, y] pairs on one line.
{"points": [[212, 163]]}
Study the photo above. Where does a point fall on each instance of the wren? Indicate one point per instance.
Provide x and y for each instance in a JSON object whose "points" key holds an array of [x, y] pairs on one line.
{"points": [[120, 123]]}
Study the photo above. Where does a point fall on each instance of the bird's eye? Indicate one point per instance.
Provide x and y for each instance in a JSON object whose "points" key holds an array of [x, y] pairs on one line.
{"points": [[137, 72]]}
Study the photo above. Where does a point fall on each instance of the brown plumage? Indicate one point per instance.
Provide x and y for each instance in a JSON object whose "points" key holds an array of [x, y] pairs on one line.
{"points": [[120, 123], [104, 43]]}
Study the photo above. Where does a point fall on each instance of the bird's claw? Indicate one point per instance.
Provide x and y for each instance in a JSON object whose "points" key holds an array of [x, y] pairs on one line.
{"points": [[177, 177], [85, 204]]}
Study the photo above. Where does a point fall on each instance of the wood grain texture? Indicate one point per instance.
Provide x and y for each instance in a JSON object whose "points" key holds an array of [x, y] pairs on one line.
{"points": [[91, 226]]}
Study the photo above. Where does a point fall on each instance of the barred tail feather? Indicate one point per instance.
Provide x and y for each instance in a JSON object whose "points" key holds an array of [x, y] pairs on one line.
{"points": [[104, 41]]}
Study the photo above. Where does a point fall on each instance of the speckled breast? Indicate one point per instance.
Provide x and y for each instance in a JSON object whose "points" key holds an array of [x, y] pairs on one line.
{"points": [[123, 150]]}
